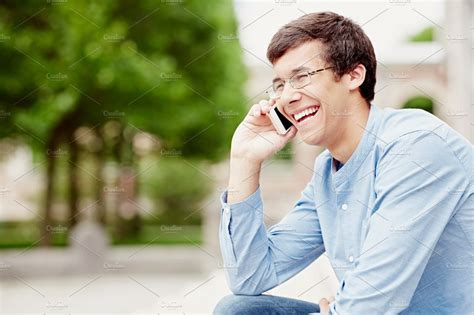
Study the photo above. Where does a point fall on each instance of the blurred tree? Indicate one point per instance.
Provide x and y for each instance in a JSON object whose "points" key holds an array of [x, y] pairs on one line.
{"points": [[425, 35], [172, 69], [176, 200], [421, 102]]}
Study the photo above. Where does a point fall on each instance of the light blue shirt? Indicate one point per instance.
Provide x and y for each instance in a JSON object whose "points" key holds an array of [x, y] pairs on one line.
{"points": [[396, 221]]}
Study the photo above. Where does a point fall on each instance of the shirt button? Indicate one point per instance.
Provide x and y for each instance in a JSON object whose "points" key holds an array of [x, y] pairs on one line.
{"points": [[226, 209], [344, 206], [351, 258]]}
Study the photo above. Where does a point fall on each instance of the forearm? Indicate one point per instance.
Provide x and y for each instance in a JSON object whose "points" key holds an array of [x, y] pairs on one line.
{"points": [[245, 246], [256, 259]]}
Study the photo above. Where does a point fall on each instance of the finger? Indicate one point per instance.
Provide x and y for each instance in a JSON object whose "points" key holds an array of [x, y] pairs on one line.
{"points": [[291, 133], [323, 306], [271, 102], [264, 106], [255, 110], [260, 108]]}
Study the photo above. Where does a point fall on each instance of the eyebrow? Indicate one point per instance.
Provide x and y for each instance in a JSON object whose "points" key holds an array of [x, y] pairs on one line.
{"points": [[294, 71]]}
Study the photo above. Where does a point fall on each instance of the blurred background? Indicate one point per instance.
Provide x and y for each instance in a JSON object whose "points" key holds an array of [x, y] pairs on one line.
{"points": [[115, 125]]}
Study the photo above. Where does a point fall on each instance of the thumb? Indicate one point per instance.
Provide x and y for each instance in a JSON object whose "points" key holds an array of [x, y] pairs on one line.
{"points": [[291, 133], [323, 306]]}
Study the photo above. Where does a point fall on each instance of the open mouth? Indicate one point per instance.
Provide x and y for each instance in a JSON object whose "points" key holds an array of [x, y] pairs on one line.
{"points": [[306, 114]]}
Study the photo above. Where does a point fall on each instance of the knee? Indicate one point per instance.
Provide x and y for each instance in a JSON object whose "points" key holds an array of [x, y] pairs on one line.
{"points": [[232, 304]]}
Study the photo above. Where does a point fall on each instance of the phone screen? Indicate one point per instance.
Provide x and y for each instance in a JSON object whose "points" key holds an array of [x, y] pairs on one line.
{"points": [[286, 123]]}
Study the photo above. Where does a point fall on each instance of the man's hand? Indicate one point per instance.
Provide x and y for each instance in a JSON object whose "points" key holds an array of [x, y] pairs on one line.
{"points": [[324, 305], [255, 139]]}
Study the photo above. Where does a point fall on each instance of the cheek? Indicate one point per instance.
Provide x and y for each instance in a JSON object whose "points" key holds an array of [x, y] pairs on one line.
{"points": [[336, 96]]}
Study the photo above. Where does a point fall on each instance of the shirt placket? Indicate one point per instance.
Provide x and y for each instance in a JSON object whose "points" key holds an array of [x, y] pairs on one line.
{"points": [[344, 207]]}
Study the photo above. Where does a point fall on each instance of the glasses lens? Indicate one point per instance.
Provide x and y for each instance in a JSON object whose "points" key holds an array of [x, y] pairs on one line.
{"points": [[300, 80], [278, 86]]}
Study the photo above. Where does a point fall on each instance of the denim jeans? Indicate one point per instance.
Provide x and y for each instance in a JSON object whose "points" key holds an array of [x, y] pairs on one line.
{"points": [[263, 305]]}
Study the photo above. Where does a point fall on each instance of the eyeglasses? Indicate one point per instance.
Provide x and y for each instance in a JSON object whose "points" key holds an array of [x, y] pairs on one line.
{"points": [[297, 81]]}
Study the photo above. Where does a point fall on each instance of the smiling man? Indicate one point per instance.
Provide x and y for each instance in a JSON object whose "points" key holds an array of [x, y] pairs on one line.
{"points": [[390, 200]]}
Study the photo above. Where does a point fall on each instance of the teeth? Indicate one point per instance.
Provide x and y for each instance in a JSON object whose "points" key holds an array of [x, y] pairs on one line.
{"points": [[305, 112]]}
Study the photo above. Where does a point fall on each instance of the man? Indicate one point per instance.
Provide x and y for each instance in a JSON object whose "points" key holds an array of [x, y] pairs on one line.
{"points": [[390, 201]]}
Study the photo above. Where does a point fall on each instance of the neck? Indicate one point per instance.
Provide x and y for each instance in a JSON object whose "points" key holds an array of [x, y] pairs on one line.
{"points": [[351, 132]]}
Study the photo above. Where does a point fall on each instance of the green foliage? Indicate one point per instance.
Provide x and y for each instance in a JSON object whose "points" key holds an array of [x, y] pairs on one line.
{"points": [[17, 234], [286, 153], [161, 67], [421, 102], [425, 35], [177, 186], [26, 234], [170, 68]]}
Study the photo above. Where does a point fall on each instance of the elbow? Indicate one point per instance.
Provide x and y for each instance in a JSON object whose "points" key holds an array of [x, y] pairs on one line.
{"points": [[245, 287], [238, 290]]}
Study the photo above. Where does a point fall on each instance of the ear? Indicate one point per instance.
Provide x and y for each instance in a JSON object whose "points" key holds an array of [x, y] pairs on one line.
{"points": [[356, 77]]}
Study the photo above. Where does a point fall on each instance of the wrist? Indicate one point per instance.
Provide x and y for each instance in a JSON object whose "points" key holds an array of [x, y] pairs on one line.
{"points": [[243, 179], [250, 161]]}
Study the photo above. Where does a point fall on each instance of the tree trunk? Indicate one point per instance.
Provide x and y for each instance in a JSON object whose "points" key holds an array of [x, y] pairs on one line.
{"points": [[129, 221], [100, 156], [73, 182], [46, 223]]}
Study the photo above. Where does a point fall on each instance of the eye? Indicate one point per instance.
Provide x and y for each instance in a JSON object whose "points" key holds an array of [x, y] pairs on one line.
{"points": [[278, 86], [300, 77]]}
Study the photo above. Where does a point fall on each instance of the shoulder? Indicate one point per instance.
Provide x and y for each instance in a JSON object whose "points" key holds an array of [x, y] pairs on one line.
{"points": [[397, 123], [421, 134], [422, 155]]}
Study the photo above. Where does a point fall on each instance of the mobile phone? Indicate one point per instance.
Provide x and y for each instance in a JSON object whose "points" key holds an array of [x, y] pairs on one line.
{"points": [[279, 121]]}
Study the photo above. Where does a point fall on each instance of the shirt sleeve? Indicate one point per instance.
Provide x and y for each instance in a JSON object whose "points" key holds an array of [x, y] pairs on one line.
{"points": [[257, 260], [419, 183]]}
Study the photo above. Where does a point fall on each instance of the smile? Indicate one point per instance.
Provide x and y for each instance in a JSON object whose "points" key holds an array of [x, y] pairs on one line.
{"points": [[306, 113]]}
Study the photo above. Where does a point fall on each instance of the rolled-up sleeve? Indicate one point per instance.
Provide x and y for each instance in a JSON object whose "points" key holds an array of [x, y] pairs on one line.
{"points": [[419, 184], [257, 260]]}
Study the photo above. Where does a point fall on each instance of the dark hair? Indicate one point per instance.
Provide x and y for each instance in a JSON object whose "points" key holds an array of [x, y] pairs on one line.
{"points": [[345, 45]]}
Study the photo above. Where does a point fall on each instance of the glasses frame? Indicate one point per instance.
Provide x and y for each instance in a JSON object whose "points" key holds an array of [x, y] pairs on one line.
{"points": [[273, 94]]}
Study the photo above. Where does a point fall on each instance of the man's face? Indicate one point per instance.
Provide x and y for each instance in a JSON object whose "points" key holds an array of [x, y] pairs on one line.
{"points": [[324, 94]]}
